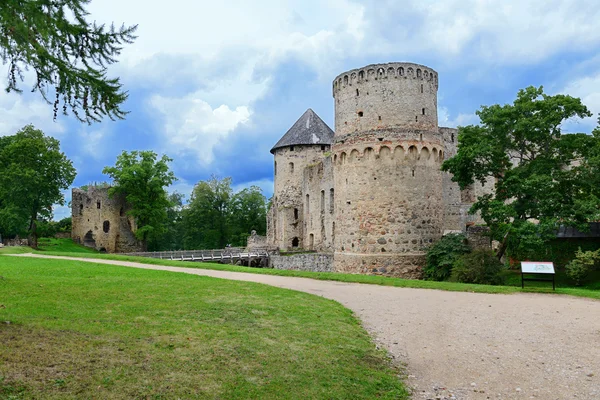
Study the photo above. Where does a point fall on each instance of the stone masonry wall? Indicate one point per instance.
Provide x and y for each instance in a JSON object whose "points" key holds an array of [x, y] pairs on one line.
{"points": [[100, 221], [287, 214], [314, 262], [386, 96], [319, 214]]}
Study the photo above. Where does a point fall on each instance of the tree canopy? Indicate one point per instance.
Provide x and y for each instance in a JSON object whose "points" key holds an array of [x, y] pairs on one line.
{"points": [[68, 55], [216, 216], [34, 172], [142, 179], [542, 178]]}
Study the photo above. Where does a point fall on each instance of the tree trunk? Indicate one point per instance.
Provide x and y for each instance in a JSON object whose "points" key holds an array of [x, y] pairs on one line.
{"points": [[33, 239], [503, 246]]}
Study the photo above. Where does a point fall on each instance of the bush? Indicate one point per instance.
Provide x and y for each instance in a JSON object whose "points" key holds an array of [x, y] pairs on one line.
{"points": [[480, 266], [585, 262], [442, 255]]}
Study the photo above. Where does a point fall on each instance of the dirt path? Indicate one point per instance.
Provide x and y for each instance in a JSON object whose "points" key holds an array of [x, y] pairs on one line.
{"points": [[465, 345]]}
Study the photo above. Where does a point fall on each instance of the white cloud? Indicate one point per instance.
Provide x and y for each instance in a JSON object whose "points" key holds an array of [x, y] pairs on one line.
{"points": [[192, 125], [16, 111], [588, 90], [445, 120]]}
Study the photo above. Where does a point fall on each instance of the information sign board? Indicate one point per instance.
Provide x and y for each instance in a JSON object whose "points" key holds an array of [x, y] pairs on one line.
{"points": [[528, 267]]}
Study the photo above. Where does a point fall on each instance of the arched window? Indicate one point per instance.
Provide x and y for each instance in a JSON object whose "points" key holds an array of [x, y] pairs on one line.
{"points": [[295, 242], [106, 226]]}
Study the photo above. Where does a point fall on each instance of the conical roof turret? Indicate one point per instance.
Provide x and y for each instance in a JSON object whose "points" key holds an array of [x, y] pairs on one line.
{"points": [[310, 129]]}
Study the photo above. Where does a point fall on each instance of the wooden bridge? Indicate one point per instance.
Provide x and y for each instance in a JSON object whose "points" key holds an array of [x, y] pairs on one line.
{"points": [[228, 255]]}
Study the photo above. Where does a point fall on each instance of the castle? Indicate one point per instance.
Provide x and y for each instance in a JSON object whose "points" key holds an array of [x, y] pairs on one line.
{"points": [[100, 221], [371, 193]]}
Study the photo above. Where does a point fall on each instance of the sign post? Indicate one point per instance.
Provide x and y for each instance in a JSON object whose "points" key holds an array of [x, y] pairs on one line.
{"points": [[540, 271]]}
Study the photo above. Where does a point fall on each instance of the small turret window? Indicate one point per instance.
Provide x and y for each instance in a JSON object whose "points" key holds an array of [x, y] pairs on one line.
{"points": [[423, 111], [295, 213], [291, 167], [291, 148], [98, 204], [360, 113]]}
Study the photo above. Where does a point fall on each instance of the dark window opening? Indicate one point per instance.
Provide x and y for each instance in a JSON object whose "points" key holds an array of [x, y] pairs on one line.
{"points": [[322, 200], [453, 138], [421, 88], [413, 173], [292, 167], [380, 139], [98, 204], [106, 226], [323, 148], [307, 204], [291, 148], [331, 198], [275, 168], [380, 117], [295, 242], [357, 92], [81, 209], [121, 212], [382, 250], [423, 111], [360, 113], [421, 137], [416, 118], [295, 213]]}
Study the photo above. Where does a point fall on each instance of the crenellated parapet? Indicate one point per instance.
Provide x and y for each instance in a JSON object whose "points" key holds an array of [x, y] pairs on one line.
{"points": [[386, 96], [375, 72]]}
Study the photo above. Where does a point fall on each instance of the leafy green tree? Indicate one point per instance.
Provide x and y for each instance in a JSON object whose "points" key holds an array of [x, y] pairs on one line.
{"points": [[538, 171], [248, 212], [172, 237], [142, 179], [33, 173], [206, 219], [68, 55]]}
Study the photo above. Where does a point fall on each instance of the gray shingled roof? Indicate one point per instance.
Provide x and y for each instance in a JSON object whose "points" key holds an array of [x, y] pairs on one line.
{"points": [[309, 129]]}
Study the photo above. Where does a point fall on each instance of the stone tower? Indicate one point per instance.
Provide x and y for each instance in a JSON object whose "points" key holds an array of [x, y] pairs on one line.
{"points": [[304, 144], [100, 221], [387, 153]]}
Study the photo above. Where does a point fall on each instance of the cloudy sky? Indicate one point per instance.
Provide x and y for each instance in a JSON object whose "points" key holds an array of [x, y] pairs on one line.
{"points": [[215, 84]]}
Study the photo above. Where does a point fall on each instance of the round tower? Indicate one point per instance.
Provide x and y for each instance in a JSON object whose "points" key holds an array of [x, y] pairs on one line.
{"points": [[387, 152], [304, 143]]}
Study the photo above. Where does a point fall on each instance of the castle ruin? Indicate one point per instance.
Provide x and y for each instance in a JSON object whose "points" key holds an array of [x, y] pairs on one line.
{"points": [[101, 221], [372, 192]]}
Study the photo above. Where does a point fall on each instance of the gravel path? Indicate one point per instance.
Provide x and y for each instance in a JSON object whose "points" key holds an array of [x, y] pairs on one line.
{"points": [[459, 345]]}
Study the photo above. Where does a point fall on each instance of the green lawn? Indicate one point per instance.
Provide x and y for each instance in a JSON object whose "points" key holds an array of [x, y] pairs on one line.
{"points": [[72, 330], [63, 245]]}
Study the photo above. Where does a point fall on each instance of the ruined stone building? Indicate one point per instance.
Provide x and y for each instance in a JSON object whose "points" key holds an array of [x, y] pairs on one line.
{"points": [[100, 221], [370, 193]]}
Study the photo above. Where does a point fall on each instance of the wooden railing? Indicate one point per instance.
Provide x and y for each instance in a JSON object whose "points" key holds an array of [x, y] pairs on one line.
{"points": [[224, 255]]}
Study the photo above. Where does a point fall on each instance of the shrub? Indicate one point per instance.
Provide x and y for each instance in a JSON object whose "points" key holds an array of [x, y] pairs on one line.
{"points": [[480, 266], [442, 255], [579, 269]]}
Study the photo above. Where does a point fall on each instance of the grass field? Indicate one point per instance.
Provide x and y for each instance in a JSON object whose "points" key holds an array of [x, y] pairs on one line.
{"points": [[73, 330]]}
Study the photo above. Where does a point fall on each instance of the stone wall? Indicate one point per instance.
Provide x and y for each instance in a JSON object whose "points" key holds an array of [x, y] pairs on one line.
{"points": [[478, 237], [386, 96], [100, 221], [256, 241], [286, 217], [319, 204], [314, 262]]}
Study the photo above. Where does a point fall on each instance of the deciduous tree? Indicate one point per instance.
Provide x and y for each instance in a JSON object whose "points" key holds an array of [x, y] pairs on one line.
{"points": [[33, 174], [142, 179], [541, 181]]}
